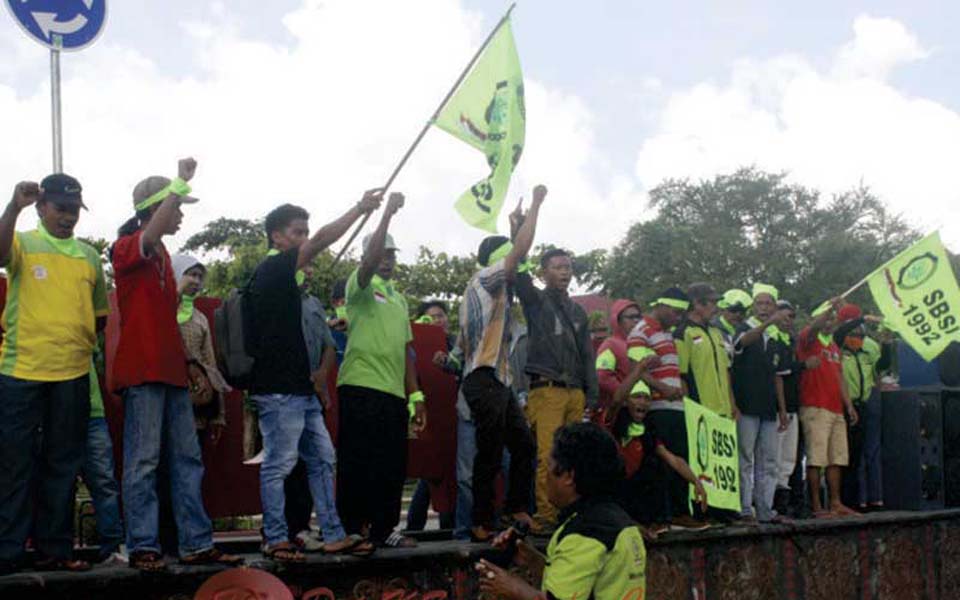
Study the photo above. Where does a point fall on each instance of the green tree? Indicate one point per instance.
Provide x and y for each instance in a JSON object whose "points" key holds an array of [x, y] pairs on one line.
{"points": [[752, 226]]}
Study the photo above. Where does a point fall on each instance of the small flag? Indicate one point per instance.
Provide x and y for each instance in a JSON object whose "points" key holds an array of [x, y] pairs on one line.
{"points": [[487, 112], [918, 295]]}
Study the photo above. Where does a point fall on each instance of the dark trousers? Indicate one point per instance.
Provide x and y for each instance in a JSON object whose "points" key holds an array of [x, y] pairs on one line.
{"points": [[671, 428], [298, 502], [43, 436], [850, 489], [371, 460], [499, 423], [640, 494], [798, 494], [420, 506]]}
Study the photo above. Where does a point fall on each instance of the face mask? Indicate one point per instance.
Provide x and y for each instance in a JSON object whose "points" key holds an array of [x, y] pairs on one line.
{"points": [[853, 342]]}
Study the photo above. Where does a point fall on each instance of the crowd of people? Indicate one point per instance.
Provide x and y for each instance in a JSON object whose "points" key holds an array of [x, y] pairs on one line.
{"points": [[589, 442]]}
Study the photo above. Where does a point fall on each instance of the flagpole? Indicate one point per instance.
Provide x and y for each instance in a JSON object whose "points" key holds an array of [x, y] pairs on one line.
{"points": [[426, 126]]}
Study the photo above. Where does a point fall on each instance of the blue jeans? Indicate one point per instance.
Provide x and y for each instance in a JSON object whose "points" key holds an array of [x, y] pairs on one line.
{"points": [[758, 444], [292, 426], [869, 469], [161, 416], [466, 451], [104, 490]]}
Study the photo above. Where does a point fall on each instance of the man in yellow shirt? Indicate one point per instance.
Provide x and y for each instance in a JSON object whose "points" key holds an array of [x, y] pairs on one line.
{"points": [[56, 301]]}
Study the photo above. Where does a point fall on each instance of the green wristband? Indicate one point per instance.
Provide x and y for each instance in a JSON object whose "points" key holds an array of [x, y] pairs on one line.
{"points": [[413, 400]]}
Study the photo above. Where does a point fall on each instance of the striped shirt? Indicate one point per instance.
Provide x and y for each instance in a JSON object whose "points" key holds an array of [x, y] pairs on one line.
{"points": [[648, 337], [485, 323]]}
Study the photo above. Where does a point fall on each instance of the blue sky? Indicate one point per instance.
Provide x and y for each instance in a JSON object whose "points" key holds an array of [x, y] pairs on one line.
{"points": [[312, 102]]}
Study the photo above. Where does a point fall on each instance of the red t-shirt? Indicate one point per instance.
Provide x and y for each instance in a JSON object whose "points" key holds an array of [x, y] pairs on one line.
{"points": [[820, 387], [150, 349]]}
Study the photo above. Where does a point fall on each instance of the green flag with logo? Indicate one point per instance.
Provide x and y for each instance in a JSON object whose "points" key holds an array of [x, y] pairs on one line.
{"points": [[487, 112], [919, 298]]}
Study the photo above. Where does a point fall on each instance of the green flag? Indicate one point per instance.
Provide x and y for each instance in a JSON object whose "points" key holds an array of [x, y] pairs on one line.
{"points": [[487, 112], [919, 298]]}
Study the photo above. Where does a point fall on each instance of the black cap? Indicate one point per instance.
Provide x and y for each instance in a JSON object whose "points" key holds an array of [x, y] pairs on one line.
{"points": [[62, 189]]}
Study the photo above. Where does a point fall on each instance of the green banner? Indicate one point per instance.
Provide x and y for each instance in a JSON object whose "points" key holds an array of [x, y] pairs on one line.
{"points": [[487, 112], [919, 298], [712, 447]]}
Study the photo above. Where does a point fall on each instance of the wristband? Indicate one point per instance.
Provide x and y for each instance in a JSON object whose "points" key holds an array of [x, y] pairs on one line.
{"points": [[176, 186], [413, 399]]}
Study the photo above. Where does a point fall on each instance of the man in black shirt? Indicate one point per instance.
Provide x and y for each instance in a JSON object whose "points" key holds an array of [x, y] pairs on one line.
{"points": [[291, 419], [560, 361]]}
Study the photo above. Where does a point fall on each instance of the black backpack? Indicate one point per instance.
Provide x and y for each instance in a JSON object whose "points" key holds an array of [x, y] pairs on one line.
{"points": [[230, 325]]}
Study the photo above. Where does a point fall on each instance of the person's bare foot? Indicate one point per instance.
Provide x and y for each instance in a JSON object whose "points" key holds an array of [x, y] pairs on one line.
{"points": [[841, 510]]}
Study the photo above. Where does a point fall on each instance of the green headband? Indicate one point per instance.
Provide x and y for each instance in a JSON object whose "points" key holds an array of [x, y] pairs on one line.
{"points": [[733, 297], [176, 186], [425, 320], [641, 389], [501, 253], [763, 288], [672, 302]]}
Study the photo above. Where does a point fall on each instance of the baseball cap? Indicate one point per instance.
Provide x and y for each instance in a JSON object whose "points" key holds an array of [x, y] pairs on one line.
{"points": [[848, 312], [388, 243], [62, 189]]}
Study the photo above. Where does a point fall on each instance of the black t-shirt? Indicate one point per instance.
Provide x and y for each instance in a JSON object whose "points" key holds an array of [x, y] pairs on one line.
{"points": [[273, 307], [755, 369]]}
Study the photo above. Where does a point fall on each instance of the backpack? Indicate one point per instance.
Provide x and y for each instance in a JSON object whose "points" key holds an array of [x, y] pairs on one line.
{"points": [[230, 328]]}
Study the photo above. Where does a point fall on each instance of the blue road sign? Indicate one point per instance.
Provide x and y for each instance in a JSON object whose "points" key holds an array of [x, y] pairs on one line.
{"points": [[60, 24]]}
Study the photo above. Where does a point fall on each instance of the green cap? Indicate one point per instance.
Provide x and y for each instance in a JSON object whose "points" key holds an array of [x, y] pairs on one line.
{"points": [[764, 288], [735, 297], [640, 389]]}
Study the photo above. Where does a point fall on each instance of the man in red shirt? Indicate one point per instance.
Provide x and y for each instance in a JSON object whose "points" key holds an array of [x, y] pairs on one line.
{"points": [[823, 398], [150, 371]]}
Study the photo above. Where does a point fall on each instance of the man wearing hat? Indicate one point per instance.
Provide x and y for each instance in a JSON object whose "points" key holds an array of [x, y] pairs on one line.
{"points": [[653, 336], [704, 362], [488, 334], [56, 302], [863, 359], [823, 400], [378, 392], [758, 389]]}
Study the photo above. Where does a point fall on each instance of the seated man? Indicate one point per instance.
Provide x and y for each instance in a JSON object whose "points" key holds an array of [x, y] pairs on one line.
{"points": [[597, 551]]}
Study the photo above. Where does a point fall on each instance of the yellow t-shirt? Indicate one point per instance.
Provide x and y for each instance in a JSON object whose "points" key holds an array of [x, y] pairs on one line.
{"points": [[53, 300]]}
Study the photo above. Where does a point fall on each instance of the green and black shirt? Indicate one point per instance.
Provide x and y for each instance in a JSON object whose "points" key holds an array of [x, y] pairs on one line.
{"points": [[596, 553]]}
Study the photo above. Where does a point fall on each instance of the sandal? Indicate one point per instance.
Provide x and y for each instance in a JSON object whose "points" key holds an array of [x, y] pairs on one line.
{"points": [[284, 552], [397, 540], [212, 556], [364, 549], [61, 564], [147, 561], [342, 546]]}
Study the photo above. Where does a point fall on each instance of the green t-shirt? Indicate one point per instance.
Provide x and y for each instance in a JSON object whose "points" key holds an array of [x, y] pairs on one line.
{"points": [[96, 397], [377, 336], [860, 368], [705, 364], [598, 553]]}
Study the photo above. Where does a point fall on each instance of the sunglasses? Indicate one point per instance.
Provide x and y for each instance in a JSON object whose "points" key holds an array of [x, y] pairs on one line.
{"points": [[631, 316]]}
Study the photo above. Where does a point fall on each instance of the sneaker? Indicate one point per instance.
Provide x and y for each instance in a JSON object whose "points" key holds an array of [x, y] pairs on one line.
{"points": [[688, 522], [308, 541]]}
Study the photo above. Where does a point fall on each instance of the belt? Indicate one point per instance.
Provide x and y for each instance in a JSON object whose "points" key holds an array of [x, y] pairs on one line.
{"points": [[539, 383]]}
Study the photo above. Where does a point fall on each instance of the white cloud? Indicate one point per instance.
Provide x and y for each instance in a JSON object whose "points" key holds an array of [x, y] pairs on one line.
{"points": [[830, 129], [313, 122]]}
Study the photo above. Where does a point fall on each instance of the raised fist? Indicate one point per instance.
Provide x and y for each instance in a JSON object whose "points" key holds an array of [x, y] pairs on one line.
{"points": [[25, 193], [186, 167], [394, 203]]}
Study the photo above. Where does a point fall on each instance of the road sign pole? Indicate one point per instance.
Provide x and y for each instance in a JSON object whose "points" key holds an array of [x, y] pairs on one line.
{"points": [[55, 111]]}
